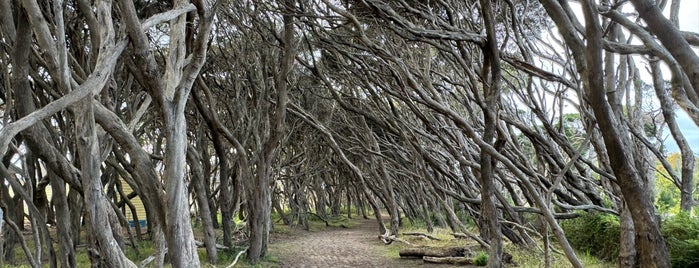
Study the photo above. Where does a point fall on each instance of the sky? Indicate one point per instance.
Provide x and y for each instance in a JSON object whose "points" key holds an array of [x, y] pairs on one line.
{"points": [[689, 21]]}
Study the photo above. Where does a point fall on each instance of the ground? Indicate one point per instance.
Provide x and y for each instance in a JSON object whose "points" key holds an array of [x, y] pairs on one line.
{"points": [[357, 246]]}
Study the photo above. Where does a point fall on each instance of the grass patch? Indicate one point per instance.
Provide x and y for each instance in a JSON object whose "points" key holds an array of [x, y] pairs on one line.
{"points": [[523, 257], [533, 257]]}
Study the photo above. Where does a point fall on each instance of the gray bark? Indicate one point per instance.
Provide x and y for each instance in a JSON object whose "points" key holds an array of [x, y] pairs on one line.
{"points": [[649, 241], [197, 180], [66, 247], [491, 70], [95, 200], [671, 38], [259, 204]]}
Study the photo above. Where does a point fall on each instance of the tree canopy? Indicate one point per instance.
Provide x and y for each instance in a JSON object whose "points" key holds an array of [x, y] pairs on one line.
{"points": [[439, 111]]}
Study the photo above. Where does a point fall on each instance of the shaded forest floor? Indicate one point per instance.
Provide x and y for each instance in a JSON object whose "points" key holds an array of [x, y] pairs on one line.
{"points": [[356, 246], [347, 243]]}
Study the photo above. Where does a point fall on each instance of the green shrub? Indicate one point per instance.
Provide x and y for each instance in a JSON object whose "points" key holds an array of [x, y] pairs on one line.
{"points": [[594, 233], [681, 234], [481, 259], [597, 234]]}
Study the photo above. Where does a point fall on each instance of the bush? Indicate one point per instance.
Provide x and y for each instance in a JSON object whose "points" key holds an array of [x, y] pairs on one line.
{"points": [[596, 234], [681, 234], [481, 259]]}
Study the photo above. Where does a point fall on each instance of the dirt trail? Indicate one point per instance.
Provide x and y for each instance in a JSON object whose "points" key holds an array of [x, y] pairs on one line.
{"points": [[339, 247]]}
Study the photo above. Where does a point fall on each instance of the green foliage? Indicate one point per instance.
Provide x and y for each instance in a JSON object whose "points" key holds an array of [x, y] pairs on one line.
{"points": [[481, 259], [667, 195], [681, 234], [594, 233], [597, 234], [666, 199]]}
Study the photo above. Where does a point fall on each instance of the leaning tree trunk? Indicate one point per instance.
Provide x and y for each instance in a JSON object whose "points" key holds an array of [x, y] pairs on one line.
{"points": [[649, 241], [385, 181]]}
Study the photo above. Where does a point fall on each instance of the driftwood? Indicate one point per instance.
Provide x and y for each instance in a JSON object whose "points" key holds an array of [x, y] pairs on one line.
{"points": [[423, 235], [449, 260], [435, 252]]}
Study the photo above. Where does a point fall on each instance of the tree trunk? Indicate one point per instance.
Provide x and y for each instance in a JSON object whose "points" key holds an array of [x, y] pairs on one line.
{"points": [[649, 241], [225, 195], [95, 200], [259, 204], [259, 196], [424, 207], [76, 211], [491, 88], [197, 180], [321, 199], [14, 211], [180, 238], [627, 239], [66, 248]]}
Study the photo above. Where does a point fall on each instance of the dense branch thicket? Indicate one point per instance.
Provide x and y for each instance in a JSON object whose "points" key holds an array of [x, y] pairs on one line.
{"points": [[502, 113]]}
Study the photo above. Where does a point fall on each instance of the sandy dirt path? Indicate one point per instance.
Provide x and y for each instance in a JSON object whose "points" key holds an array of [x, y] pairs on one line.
{"points": [[339, 247]]}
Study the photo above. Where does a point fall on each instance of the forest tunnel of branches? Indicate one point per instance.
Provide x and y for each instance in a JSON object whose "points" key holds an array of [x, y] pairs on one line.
{"points": [[499, 112]]}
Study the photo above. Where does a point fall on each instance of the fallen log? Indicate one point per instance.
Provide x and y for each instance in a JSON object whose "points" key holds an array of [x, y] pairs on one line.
{"points": [[448, 260], [423, 235], [435, 252]]}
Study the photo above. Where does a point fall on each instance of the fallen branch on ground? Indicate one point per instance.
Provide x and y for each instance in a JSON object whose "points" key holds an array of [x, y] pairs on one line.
{"points": [[218, 246], [474, 237], [448, 260], [388, 239], [423, 235], [236, 258], [148, 260]]}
